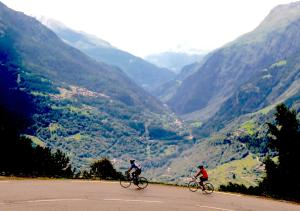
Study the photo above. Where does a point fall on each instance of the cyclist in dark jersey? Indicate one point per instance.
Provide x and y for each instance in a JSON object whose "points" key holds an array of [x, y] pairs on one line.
{"points": [[204, 176], [137, 170]]}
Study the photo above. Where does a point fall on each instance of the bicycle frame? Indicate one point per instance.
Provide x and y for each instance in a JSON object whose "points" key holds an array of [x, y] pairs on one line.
{"points": [[131, 177]]}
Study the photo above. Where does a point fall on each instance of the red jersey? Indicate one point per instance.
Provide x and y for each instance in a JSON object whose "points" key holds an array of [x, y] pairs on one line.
{"points": [[204, 173]]}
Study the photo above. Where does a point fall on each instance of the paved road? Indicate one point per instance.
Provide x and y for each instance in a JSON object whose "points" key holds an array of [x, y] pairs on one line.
{"points": [[94, 195]]}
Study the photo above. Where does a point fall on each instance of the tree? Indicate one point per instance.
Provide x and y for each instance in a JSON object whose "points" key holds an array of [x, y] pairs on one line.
{"points": [[18, 156], [61, 165], [282, 178], [104, 169]]}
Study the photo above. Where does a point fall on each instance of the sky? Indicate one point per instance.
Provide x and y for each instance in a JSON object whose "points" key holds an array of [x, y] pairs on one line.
{"points": [[144, 27]]}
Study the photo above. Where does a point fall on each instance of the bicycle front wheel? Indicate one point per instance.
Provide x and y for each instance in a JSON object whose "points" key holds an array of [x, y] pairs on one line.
{"points": [[209, 188], [142, 182], [193, 186], [125, 182]]}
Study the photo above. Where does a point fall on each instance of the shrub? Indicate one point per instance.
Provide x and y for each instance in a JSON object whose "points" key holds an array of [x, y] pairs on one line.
{"points": [[104, 169]]}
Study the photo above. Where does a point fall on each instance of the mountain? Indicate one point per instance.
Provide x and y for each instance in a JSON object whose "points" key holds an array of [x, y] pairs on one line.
{"points": [[174, 61], [88, 109], [142, 72], [65, 64], [232, 95], [258, 69], [167, 90]]}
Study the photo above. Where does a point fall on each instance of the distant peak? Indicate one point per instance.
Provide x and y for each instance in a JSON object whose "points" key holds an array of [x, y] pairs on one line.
{"points": [[277, 20], [291, 5], [58, 26], [282, 15], [186, 50], [49, 22]]}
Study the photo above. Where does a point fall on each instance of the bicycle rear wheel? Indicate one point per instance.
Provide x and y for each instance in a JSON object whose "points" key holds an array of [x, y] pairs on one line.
{"points": [[209, 188], [193, 186], [142, 182]]}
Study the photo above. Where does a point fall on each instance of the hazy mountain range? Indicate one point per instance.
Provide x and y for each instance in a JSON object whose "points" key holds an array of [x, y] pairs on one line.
{"points": [[142, 72], [175, 61]]}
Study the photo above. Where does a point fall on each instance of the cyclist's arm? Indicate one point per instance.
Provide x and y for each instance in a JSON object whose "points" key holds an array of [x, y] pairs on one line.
{"points": [[198, 173]]}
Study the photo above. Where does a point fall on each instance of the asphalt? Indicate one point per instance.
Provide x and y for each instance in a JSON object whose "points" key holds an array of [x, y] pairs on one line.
{"points": [[96, 195]]}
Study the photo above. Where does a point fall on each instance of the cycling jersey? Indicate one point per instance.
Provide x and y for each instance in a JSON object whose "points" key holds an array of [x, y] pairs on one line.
{"points": [[136, 166], [204, 173]]}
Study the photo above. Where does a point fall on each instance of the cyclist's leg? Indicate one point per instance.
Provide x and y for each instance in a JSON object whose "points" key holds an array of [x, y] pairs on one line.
{"points": [[138, 172], [134, 177], [201, 182]]}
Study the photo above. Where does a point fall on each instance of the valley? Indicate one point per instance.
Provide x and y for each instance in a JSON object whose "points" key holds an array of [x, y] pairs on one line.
{"points": [[93, 100]]}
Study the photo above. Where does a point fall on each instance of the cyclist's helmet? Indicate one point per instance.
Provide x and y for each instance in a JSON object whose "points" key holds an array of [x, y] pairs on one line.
{"points": [[132, 161], [200, 167]]}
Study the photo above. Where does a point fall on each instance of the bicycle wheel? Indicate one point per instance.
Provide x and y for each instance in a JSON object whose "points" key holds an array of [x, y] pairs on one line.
{"points": [[193, 186], [125, 182], [142, 182], [209, 188]]}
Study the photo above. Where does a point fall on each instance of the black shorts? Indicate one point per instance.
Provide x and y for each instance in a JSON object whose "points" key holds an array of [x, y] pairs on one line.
{"points": [[203, 179], [137, 172]]}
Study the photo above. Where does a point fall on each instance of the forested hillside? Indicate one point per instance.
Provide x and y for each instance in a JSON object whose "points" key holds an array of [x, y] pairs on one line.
{"points": [[86, 108], [18, 155]]}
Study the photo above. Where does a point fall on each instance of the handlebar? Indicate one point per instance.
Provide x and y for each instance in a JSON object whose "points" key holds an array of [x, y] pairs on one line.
{"points": [[194, 178]]}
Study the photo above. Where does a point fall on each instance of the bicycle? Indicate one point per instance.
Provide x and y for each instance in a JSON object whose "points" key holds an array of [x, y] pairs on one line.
{"points": [[126, 181], [194, 185]]}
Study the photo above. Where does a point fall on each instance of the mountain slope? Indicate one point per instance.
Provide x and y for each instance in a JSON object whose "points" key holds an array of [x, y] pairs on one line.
{"points": [[86, 108], [142, 72], [167, 90], [235, 92], [61, 61], [226, 69]]}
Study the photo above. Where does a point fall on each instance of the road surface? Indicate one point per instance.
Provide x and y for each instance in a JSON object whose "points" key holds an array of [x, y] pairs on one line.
{"points": [[96, 195]]}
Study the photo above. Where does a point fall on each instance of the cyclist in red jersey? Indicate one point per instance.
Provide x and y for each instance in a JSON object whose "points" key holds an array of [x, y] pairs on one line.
{"points": [[204, 176]]}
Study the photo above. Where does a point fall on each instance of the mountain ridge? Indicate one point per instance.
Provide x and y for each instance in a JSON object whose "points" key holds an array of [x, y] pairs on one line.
{"points": [[232, 65], [142, 72], [85, 108], [239, 85], [42, 36]]}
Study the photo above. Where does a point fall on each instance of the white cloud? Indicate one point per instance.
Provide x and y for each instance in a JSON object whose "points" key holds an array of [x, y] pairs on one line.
{"points": [[148, 26]]}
